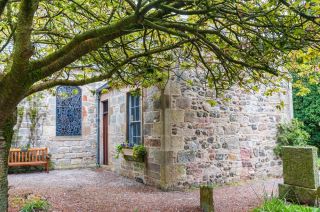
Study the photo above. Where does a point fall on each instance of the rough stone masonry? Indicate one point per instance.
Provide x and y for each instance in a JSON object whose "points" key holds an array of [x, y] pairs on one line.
{"points": [[189, 142]]}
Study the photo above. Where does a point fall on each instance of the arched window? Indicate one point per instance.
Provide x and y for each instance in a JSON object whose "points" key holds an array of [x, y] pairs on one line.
{"points": [[68, 114]]}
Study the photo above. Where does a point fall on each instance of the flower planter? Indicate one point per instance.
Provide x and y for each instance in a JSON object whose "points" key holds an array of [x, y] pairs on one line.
{"points": [[128, 155], [127, 152]]}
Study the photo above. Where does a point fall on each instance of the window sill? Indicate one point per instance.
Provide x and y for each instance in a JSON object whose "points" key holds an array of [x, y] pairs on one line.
{"points": [[68, 138]]}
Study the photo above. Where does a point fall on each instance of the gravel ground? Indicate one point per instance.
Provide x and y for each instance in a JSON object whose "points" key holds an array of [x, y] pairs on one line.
{"points": [[99, 190]]}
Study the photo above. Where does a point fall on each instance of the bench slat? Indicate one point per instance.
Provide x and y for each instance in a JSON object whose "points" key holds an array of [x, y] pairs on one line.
{"points": [[28, 163], [33, 157]]}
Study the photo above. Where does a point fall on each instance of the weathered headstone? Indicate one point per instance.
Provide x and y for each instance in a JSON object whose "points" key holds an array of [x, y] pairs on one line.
{"points": [[300, 174], [206, 198], [1, 135]]}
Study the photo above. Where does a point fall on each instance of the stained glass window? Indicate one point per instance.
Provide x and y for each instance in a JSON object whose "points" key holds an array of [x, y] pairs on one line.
{"points": [[134, 120], [68, 115]]}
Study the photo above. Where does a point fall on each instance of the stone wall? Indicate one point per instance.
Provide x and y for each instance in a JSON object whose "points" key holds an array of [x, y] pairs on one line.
{"points": [[148, 172], [67, 152], [225, 143], [188, 141], [116, 126]]}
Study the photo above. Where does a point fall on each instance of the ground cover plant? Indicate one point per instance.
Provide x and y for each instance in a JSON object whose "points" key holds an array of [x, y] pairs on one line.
{"points": [[277, 205], [30, 203]]}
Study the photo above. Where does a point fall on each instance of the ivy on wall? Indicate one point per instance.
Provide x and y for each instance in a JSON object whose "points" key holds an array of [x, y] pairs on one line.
{"points": [[20, 115], [30, 112], [33, 117]]}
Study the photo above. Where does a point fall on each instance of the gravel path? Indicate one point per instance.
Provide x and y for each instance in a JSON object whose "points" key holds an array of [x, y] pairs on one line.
{"points": [[99, 190]]}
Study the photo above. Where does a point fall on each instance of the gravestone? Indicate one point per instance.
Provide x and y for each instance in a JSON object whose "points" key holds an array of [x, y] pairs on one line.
{"points": [[300, 175], [1, 136], [206, 198]]}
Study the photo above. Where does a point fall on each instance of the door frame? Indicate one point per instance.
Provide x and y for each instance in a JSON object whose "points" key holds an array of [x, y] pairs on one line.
{"points": [[105, 132]]}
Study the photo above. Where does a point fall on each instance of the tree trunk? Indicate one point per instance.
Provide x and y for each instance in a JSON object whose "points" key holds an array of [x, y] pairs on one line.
{"points": [[6, 132], [3, 175]]}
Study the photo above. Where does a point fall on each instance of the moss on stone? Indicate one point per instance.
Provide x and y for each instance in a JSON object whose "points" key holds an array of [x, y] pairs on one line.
{"points": [[300, 166], [299, 195], [206, 198]]}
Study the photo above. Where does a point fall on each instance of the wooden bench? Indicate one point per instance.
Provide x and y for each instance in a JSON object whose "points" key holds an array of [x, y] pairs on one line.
{"points": [[32, 157]]}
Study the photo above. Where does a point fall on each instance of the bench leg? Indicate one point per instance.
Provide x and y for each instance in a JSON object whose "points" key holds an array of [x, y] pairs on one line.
{"points": [[47, 167]]}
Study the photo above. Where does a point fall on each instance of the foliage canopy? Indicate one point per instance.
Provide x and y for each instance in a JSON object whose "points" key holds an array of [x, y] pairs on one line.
{"points": [[138, 42], [307, 109]]}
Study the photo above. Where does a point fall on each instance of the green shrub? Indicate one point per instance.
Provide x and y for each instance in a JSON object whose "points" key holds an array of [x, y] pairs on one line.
{"points": [[291, 134], [306, 109], [34, 205], [277, 205]]}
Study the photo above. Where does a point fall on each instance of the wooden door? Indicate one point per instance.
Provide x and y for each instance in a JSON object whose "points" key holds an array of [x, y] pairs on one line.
{"points": [[105, 133]]}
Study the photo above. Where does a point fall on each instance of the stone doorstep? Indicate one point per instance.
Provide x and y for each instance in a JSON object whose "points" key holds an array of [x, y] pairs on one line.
{"points": [[107, 167], [299, 195]]}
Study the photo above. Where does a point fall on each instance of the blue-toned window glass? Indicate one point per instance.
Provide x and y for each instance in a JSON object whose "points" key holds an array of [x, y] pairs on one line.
{"points": [[134, 120], [68, 115]]}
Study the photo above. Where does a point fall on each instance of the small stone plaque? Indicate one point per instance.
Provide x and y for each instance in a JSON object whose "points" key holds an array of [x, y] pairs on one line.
{"points": [[300, 166]]}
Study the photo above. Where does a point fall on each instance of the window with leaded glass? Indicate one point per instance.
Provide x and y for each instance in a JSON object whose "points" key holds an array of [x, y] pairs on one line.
{"points": [[134, 119], [68, 114]]}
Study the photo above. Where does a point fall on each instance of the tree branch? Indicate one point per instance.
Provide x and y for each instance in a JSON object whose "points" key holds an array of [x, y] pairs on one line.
{"points": [[3, 4], [50, 84], [215, 49], [23, 49], [81, 45], [308, 17], [132, 4]]}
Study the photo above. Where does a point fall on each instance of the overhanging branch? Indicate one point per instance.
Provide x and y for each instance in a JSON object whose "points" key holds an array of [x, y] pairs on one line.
{"points": [[79, 46], [49, 84], [3, 4]]}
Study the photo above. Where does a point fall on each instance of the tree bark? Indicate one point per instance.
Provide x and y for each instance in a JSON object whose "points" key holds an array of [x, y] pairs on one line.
{"points": [[3, 175], [6, 132]]}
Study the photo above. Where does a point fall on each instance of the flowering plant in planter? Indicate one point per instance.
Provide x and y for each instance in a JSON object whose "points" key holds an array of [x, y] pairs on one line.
{"points": [[130, 152], [119, 148], [139, 153]]}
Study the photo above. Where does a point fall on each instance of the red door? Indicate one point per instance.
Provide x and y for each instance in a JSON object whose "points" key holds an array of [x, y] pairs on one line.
{"points": [[105, 133]]}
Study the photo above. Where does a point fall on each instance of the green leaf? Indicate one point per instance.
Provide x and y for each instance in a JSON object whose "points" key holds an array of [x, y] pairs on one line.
{"points": [[212, 102]]}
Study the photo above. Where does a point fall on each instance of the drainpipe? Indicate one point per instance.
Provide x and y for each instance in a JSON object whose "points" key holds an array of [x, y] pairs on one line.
{"points": [[163, 149], [98, 128]]}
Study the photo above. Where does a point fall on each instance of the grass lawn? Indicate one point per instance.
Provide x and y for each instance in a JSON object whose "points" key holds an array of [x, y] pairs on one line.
{"points": [[276, 205]]}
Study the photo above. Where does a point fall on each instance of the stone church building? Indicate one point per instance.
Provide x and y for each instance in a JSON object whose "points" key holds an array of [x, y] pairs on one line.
{"points": [[188, 141]]}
